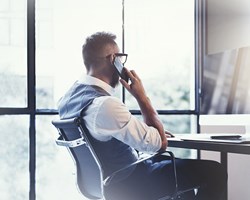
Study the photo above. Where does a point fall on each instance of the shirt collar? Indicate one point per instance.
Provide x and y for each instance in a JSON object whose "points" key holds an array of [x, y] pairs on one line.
{"points": [[90, 80]]}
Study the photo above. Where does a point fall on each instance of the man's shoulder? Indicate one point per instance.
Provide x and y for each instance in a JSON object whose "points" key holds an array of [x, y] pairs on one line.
{"points": [[111, 105], [108, 100]]}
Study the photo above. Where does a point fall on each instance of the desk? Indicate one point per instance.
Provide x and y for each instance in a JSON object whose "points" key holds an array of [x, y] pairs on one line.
{"points": [[223, 148]]}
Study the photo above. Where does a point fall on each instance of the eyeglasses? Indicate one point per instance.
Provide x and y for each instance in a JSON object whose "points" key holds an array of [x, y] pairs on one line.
{"points": [[122, 57]]}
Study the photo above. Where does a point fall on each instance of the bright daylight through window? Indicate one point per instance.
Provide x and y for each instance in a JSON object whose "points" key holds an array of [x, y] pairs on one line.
{"points": [[158, 37]]}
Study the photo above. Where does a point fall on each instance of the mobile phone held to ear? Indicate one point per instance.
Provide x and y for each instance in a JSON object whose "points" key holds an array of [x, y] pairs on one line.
{"points": [[120, 69]]}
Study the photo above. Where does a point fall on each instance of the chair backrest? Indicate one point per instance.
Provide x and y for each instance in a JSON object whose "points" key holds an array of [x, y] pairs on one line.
{"points": [[89, 171]]}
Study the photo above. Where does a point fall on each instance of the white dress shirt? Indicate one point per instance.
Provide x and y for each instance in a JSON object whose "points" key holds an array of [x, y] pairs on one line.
{"points": [[108, 117]]}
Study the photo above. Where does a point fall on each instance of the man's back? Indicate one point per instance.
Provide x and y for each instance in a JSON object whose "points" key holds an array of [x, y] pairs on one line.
{"points": [[112, 153]]}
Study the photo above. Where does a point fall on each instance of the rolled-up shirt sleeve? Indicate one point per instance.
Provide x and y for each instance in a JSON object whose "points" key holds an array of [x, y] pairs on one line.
{"points": [[113, 119]]}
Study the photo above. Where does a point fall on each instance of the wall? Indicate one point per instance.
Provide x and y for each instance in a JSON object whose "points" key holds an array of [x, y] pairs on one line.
{"points": [[228, 25]]}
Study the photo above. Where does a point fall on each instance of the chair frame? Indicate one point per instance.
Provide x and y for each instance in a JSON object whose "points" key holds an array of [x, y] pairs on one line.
{"points": [[84, 140]]}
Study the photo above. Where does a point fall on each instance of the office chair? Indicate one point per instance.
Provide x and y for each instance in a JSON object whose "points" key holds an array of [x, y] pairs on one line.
{"points": [[90, 179]]}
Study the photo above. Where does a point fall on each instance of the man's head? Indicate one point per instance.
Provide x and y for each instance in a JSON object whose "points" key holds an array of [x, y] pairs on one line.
{"points": [[98, 54]]}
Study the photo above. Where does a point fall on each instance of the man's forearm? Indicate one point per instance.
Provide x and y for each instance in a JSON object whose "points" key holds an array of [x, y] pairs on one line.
{"points": [[149, 114], [151, 118]]}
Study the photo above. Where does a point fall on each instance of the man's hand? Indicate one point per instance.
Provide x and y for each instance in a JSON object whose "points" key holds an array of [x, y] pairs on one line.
{"points": [[168, 134], [135, 87]]}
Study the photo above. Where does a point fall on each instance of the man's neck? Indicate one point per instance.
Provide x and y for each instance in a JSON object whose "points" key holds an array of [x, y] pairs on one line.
{"points": [[99, 76]]}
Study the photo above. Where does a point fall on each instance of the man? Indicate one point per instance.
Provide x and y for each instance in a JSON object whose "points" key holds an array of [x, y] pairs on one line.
{"points": [[118, 135]]}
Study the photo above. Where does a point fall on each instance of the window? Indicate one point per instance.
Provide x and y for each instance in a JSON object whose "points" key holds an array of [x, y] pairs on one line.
{"points": [[14, 157], [62, 27], [41, 42], [13, 51], [159, 38]]}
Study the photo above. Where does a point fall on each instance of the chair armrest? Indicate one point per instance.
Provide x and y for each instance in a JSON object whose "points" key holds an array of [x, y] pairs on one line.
{"points": [[71, 143], [109, 178]]}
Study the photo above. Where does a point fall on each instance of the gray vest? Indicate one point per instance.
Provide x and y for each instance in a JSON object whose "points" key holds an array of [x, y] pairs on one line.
{"points": [[113, 154]]}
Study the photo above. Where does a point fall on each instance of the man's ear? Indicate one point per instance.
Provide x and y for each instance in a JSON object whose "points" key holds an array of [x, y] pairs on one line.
{"points": [[112, 58]]}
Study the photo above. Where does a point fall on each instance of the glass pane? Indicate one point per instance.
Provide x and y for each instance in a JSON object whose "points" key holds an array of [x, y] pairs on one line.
{"points": [[159, 40], [13, 51], [55, 169], [181, 124], [14, 157], [62, 26]]}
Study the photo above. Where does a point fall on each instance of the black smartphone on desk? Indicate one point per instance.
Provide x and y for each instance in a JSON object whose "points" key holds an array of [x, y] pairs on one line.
{"points": [[226, 137], [120, 69]]}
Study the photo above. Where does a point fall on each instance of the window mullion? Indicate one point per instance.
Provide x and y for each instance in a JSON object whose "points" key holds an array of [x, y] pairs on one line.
{"points": [[31, 92]]}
